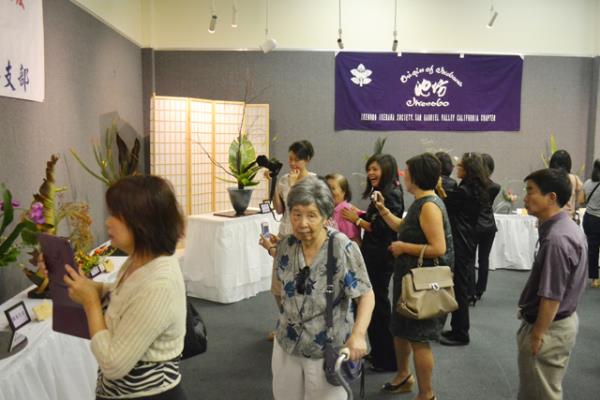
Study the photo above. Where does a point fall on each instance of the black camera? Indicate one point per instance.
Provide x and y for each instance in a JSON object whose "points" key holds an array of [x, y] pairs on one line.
{"points": [[273, 165]]}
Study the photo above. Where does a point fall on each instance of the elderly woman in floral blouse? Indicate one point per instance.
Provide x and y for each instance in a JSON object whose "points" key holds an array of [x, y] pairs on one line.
{"points": [[301, 259]]}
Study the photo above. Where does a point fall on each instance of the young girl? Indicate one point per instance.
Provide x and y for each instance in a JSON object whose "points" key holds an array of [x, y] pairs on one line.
{"points": [[338, 184]]}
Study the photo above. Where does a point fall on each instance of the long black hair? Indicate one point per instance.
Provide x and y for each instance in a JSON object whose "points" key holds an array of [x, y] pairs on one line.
{"points": [[389, 173], [476, 175], [561, 159], [596, 171]]}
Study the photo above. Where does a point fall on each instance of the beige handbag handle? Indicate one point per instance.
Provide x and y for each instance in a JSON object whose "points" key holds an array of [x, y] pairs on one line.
{"points": [[420, 262]]}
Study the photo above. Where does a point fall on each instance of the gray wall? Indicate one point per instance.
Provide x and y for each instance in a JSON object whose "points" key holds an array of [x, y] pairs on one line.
{"points": [[92, 75], [556, 96]]}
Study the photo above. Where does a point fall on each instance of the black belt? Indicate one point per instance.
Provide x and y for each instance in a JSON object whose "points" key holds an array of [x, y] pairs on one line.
{"points": [[557, 318]]}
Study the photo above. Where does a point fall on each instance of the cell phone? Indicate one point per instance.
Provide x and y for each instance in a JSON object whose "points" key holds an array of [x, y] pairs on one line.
{"points": [[375, 196], [264, 229]]}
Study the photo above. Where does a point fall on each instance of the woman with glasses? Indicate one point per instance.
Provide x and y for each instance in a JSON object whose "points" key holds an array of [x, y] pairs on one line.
{"points": [[464, 206], [300, 264]]}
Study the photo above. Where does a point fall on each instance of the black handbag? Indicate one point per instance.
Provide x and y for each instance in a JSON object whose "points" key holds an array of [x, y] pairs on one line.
{"points": [[195, 341], [350, 370]]}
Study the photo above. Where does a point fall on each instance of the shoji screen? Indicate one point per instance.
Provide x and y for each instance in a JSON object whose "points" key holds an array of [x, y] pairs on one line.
{"points": [[183, 129]]}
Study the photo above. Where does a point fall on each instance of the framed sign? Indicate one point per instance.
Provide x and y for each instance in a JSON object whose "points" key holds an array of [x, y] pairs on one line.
{"points": [[265, 207], [17, 316]]}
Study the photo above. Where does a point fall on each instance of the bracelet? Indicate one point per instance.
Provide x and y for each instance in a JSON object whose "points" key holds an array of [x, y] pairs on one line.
{"points": [[358, 221]]}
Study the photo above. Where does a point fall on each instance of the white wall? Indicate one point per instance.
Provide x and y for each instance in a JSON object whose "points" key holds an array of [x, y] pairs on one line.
{"points": [[550, 27], [123, 16]]}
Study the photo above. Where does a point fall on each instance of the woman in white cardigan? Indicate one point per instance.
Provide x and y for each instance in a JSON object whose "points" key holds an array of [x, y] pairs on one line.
{"points": [[138, 339]]}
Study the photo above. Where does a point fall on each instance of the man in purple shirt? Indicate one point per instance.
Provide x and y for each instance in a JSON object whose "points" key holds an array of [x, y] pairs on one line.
{"points": [[549, 300]]}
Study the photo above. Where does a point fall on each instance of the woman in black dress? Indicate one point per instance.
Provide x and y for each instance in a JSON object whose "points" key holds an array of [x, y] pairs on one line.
{"points": [[486, 232], [464, 206], [382, 176], [425, 229]]}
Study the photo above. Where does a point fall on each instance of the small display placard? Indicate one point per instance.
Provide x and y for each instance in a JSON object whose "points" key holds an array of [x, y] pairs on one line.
{"points": [[17, 316]]}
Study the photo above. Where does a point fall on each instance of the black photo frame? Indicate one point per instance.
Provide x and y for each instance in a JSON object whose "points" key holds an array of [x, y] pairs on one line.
{"points": [[265, 207], [17, 316]]}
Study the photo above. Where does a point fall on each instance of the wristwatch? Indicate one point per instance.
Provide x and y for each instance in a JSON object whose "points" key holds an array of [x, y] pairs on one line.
{"points": [[358, 221]]}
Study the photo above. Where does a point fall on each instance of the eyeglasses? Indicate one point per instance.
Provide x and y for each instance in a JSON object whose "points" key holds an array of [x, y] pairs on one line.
{"points": [[301, 279]]}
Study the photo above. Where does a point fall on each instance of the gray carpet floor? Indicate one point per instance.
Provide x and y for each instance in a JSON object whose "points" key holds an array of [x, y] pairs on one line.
{"points": [[237, 364]]}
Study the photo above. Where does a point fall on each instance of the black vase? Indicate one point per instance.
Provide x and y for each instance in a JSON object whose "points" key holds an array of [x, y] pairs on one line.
{"points": [[240, 198]]}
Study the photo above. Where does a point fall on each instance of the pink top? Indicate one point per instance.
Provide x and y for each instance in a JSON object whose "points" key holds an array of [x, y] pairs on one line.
{"points": [[346, 227]]}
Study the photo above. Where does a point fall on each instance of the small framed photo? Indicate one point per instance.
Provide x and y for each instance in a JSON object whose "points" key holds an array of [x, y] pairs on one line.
{"points": [[265, 207], [95, 271], [17, 316]]}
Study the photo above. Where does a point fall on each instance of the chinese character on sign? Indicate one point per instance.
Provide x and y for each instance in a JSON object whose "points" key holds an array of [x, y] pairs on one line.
{"points": [[24, 77], [8, 76], [424, 87]]}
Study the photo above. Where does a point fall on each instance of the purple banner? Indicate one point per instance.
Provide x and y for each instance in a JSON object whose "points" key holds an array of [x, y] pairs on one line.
{"points": [[433, 92]]}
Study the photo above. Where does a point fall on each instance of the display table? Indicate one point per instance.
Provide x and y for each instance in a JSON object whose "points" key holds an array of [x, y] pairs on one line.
{"points": [[223, 261], [515, 242], [53, 365]]}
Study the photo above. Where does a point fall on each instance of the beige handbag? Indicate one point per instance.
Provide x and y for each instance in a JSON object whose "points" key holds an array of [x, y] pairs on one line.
{"points": [[427, 292]]}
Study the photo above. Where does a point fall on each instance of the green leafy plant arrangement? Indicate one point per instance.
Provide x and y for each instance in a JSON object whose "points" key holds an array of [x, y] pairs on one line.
{"points": [[242, 164], [110, 172], [48, 211], [552, 147], [10, 248]]}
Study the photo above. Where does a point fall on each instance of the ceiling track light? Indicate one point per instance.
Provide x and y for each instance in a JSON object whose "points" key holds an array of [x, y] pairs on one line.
{"points": [[234, 15], [212, 26], [269, 44], [493, 16], [340, 43], [395, 42]]}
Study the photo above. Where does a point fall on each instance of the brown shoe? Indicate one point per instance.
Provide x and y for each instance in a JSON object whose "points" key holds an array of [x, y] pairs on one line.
{"points": [[271, 336], [595, 283], [403, 387]]}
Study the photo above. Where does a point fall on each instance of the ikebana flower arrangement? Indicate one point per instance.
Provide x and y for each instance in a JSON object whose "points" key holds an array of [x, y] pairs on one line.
{"points": [[22, 235], [509, 196], [99, 257], [110, 172], [48, 211]]}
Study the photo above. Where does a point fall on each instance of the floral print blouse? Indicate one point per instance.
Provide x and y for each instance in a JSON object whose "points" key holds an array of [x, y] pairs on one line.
{"points": [[301, 329]]}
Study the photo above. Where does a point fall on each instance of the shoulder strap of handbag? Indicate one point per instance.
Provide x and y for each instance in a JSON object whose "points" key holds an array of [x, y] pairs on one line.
{"points": [[329, 289], [591, 194]]}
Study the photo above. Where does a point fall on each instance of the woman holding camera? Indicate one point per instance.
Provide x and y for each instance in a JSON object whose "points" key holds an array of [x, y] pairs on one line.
{"points": [[382, 176], [425, 230]]}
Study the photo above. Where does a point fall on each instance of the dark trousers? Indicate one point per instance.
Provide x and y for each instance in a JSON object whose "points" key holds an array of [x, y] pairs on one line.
{"points": [[591, 227], [484, 245], [380, 269], [464, 257]]}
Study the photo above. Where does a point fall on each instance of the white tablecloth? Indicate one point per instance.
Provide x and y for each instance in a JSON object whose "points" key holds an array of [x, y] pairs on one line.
{"points": [[223, 261], [515, 242], [53, 366]]}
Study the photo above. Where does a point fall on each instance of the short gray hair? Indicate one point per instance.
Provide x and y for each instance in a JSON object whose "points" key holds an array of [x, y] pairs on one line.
{"points": [[311, 190]]}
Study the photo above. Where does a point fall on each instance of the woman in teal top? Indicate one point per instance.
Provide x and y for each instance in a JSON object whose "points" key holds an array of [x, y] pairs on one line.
{"points": [[426, 224]]}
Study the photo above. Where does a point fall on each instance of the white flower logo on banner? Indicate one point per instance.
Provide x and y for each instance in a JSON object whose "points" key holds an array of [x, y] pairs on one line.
{"points": [[361, 75]]}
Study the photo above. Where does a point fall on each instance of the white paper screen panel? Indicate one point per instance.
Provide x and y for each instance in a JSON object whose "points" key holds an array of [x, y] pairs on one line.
{"points": [[182, 127]]}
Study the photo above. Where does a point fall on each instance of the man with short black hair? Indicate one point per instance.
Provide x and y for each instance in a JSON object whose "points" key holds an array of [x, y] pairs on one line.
{"points": [[550, 297]]}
